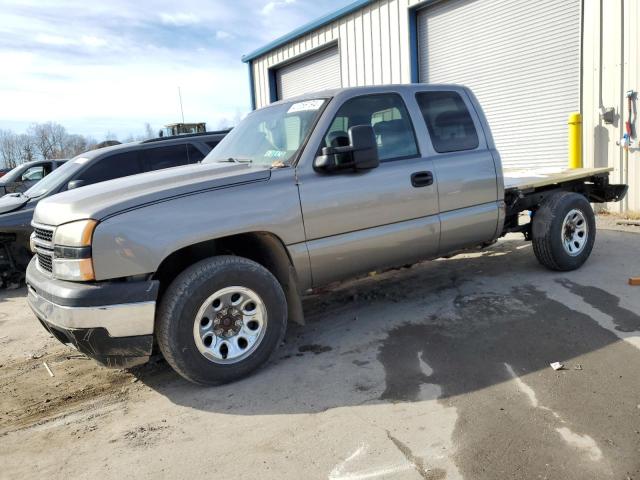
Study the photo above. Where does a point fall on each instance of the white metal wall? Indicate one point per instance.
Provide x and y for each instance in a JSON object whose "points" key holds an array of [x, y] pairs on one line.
{"points": [[315, 72], [611, 67], [373, 42], [521, 59]]}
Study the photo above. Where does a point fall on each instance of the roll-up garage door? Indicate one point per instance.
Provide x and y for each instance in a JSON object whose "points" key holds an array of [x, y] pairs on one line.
{"points": [[319, 71], [521, 59]]}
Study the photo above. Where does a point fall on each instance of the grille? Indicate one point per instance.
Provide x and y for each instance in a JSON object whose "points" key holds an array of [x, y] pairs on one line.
{"points": [[44, 247], [45, 261], [44, 234]]}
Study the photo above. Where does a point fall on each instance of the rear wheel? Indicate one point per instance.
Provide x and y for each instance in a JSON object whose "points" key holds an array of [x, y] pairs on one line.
{"points": [[564, 231], [221, 319]]}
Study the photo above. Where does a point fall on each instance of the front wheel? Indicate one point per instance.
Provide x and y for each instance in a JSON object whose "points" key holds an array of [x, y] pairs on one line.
{"points": [[221, 319], [564, 231]]}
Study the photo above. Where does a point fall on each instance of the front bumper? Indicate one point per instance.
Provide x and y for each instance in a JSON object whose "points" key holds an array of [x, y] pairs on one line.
{"points": [[111, 322]]}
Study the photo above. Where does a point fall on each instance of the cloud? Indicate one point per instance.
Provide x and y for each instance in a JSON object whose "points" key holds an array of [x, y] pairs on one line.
{"points": [[222, 35], [98, 66], [271, 6], [56, 40], [179, 19], [91, 41], [60, 41]]}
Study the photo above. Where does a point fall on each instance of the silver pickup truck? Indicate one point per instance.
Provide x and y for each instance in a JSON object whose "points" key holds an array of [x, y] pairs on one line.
{"points": [[210, 261]]}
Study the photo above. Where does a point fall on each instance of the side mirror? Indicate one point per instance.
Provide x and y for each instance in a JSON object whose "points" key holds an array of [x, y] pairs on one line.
{"points": [[75, 184], [360, 154]]}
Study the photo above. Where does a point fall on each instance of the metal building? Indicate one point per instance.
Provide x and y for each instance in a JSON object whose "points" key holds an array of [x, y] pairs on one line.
{"points": [[531, 64]]}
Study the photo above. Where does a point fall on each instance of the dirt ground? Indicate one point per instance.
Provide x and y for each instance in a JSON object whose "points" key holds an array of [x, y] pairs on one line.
{"points": [[439, 371]]}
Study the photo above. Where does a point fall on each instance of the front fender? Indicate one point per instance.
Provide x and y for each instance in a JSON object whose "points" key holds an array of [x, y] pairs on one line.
{"points": [[136, 241]]}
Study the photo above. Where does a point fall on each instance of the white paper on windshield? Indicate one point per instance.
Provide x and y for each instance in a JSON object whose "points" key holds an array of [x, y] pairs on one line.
{"points": [[309, 105], [81, 160]]}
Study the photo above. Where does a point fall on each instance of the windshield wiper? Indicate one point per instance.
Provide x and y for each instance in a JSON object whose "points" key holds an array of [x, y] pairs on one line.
{"points": [[236, 160]]}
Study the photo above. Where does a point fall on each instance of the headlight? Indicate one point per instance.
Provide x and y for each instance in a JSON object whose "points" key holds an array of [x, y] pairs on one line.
{"points": [[72, 251], [75, 234], [32, 243], [77, 270]]}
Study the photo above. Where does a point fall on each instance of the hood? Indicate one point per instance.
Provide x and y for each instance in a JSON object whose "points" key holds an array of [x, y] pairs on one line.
{"points": [[11, 202], [104, 199]]}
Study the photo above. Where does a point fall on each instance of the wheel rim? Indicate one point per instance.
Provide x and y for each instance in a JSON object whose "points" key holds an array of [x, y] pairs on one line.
{"points": [[230, 325], [575, 232]]}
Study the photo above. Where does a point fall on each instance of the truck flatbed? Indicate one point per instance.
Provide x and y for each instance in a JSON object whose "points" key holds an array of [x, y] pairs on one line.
{"points": [[524, 180]]}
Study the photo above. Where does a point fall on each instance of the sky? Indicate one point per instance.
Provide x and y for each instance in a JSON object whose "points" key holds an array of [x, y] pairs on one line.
{"points": [[110, 66]]}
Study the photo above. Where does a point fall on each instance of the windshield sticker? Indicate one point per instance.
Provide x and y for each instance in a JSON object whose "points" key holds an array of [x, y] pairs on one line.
{"points": [[309, 105], [81, 160], [275, 154]]}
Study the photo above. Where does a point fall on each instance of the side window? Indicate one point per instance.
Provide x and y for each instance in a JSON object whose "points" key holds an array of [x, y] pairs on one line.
{"points": [[194, 154], [388, 116], [33, 173], [108, 168], [449, 122], [164, 157], [212, 144]]}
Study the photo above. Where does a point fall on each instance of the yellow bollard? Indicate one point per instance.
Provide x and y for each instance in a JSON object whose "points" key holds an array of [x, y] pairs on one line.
{"points": [[575, 140]]}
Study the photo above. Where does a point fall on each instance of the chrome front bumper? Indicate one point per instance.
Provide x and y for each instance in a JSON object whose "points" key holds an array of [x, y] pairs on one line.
{"points": [[121, 320], [111, 322]]}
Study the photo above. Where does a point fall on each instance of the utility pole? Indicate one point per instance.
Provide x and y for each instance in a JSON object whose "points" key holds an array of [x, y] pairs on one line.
{"points": [[181, 110]]}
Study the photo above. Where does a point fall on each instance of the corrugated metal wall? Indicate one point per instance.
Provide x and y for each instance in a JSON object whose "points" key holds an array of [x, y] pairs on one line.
{"points": [[520, 58], [386, 23], [319, 71]]}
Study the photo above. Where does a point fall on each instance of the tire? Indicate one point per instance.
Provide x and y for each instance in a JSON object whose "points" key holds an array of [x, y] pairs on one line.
{"points": [[180, 336], [556, 243]]}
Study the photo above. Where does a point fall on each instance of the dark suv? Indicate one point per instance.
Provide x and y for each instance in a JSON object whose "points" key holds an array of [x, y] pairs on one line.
{"points": [[16, 210]]}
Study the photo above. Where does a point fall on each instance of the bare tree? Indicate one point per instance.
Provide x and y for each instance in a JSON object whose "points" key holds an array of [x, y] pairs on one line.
{"points": [[110, 136], [74, 145], [28, 151], [148, 132], [9, 149], [49, 139]]}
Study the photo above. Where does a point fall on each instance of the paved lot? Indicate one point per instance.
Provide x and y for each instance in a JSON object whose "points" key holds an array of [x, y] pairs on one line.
{"points": [[440, 371]]}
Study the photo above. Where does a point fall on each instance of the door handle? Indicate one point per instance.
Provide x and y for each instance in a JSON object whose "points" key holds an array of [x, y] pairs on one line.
{"points": [[422, 179]]}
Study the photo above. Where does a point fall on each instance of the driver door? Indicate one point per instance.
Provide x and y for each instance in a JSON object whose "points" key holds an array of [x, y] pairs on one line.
{"points": [[356, 222]]}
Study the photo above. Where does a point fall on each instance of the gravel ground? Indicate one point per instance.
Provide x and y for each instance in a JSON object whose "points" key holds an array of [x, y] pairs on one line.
{"points": [[436, 371]]}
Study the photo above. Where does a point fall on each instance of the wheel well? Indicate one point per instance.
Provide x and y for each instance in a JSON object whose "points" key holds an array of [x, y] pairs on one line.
{"points": [[261, 247]]}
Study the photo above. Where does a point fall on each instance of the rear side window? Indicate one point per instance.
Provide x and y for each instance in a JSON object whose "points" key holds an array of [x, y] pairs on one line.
{"points": [[108, 168], [449, 122], [164, 157]]}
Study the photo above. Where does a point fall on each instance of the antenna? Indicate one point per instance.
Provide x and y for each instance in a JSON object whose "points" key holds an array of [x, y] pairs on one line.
{"points": [[181, 110]]}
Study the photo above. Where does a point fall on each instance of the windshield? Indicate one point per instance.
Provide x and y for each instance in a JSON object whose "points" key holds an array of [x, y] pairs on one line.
{"points": [[270, 136], [14, 174], [55, 179]]}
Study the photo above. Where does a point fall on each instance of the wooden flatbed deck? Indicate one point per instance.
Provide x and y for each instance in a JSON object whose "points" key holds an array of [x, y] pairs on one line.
{"points": [[528, 180]]}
